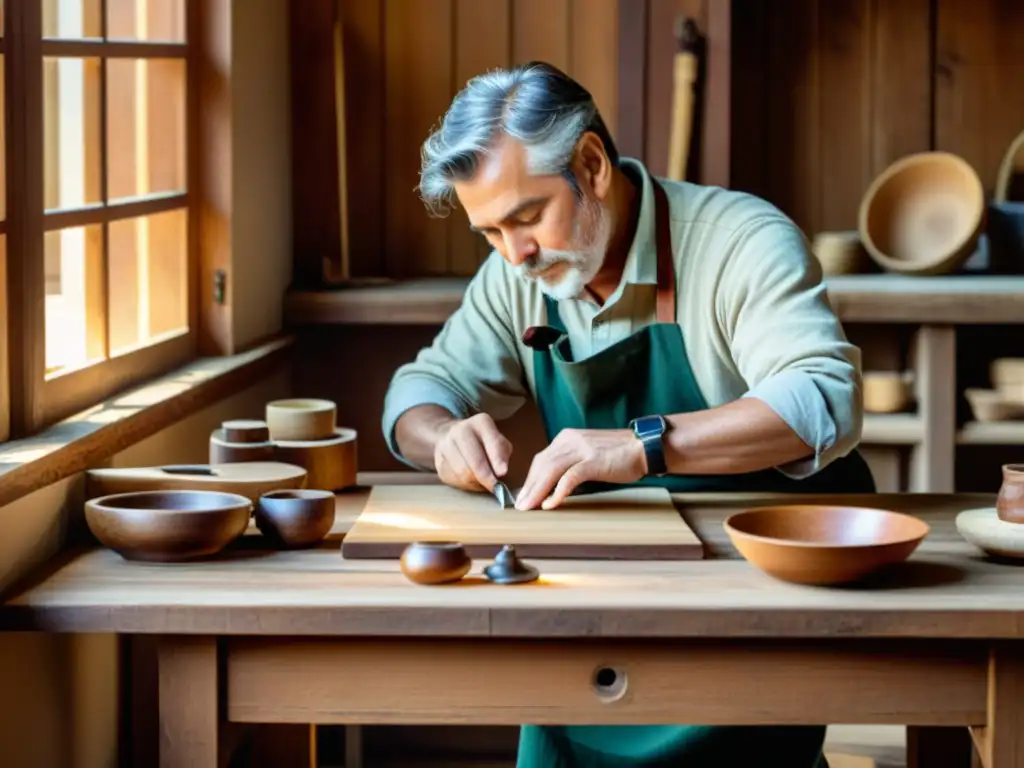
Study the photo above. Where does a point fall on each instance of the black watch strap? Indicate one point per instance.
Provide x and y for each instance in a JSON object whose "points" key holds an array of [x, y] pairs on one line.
{"points": [[650, 431]]}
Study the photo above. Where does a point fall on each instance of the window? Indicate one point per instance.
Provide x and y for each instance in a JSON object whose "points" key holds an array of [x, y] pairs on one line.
{"points": [[101, 241]]}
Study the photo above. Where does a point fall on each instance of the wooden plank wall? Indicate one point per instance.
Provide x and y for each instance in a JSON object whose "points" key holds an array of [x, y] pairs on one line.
{"points": [[827, 93], [404, 61]]}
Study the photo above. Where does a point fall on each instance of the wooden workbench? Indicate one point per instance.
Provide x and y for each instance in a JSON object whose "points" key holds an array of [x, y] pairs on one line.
{"points": [[306, 637]]}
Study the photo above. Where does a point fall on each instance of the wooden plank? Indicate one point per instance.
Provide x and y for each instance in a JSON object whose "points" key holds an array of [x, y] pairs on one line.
{"points": [[595, 31], [190, 714], [5, 390], [418, 81], [630, 524], [483, 41], [631, 122], [316, 234], [751, 108], [793, 90], [388, 681], [979, 60], [844, 114], [901, 85], [365, 118], [872, 299], [23, 87], [934, 458], [542, 30], [716, 125]]}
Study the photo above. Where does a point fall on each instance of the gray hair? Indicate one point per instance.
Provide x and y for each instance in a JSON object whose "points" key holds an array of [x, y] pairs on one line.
{"points": [[537, 104]]}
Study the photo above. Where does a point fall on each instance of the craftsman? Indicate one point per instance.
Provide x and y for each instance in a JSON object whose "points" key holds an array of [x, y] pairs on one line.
{"points": [[671, 334]]}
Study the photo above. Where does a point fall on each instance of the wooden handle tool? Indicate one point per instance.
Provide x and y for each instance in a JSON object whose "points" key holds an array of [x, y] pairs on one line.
{"points": [[685, 78], [340, 272]]}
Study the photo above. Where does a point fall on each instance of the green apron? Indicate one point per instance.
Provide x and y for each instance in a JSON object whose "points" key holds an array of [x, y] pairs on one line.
{"points": [[649, 373]]}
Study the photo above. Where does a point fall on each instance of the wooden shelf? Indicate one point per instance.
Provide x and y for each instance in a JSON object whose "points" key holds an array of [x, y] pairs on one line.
{"points": [[991, 433], [892, 429], [884, 298]]}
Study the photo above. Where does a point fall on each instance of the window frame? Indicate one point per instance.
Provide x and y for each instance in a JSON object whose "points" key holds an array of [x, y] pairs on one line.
{"points": [[28, 398]]}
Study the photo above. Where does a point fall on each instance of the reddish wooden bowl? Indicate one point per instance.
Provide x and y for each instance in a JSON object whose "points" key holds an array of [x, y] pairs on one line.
{"points": [[812, 544]]}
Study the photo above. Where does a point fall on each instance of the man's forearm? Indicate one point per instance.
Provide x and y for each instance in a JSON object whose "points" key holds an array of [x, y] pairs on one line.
{"points": [[418, 430], [742, 436]]}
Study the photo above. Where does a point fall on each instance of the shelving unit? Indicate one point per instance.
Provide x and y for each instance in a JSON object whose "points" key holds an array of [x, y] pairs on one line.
{"points": [[925, 441]]}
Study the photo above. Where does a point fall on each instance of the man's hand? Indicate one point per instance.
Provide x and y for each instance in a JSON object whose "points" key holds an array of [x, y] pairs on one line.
{"points": [[579, 455], [471, 454]]}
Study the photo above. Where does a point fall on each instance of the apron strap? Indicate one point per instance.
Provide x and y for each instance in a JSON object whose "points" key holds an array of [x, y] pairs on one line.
{"points": [[666, 295]]}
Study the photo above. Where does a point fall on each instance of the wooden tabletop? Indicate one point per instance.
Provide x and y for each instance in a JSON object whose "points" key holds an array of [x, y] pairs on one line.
{"points": [[947, 590]]}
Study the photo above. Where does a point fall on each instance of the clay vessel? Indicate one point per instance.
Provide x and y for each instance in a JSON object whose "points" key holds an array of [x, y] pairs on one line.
{"points": [[301, 418], [1010, 502], [168, 526], [811, 544], [435, 562], [291, 519]]}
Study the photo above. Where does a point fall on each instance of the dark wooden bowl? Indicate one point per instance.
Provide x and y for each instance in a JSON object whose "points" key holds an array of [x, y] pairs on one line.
{"points": [[435, 562], [295, 518], [810, 544], [168, 526]]}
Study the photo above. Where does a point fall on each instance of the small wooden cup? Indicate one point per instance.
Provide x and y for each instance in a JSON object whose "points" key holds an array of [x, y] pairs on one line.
{"points": [[293, 519], [331, 463], [301, 419], [435, 562]]}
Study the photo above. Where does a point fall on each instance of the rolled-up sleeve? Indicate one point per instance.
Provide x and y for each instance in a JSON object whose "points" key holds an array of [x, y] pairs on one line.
{"points": [[473, 364], [787, 342]]}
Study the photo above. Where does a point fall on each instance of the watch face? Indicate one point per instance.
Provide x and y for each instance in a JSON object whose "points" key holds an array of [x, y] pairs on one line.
{"points": [[650, 425]]}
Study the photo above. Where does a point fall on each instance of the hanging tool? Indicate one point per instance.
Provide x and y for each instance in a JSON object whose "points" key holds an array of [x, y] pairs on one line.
{"points": [[685, 72]]}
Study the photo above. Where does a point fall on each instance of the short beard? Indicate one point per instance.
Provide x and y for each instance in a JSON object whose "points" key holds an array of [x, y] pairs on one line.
{"points": [[578, 266]]}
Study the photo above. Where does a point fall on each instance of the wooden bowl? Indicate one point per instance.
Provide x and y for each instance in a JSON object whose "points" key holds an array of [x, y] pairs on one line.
{"points": [[1007, 375], [294, 519], [988, 532], [841, 253], [301, 419], [888, 391], [923, 214], [168, 526], [993, 405], [435, 562], [811, 544]]}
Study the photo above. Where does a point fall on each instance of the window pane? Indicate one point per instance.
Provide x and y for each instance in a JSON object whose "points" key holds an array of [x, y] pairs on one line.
{"points": [[145, 127], [152, 20], [71, 18], [148, 272], [74, 297], [71, 131]]}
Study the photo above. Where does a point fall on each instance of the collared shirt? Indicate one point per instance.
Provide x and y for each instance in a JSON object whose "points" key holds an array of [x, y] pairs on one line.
{"points": [[750, 300]]}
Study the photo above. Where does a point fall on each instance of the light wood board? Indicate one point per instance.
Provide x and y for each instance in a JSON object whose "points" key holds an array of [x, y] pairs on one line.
{"points": [[250, 479], [626, 524]]}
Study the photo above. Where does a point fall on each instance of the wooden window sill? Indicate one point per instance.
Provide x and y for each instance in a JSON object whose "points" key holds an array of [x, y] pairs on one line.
{"points": [[94, 435], [875, 298]]}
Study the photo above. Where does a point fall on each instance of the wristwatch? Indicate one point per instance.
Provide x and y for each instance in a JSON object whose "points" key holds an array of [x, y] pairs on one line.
{"points": [[649, 431]]}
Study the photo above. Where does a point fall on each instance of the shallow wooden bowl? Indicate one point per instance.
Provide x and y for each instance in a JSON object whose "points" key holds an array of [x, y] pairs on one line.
{"points": [[993, 405], [811, 544], [923, 214], [435, 562], [301, 419], [295, 518], [168, 526]]}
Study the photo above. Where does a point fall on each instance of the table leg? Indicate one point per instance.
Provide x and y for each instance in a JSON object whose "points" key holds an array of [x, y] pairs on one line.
{"points": [[1001, 741], [189, 711]]}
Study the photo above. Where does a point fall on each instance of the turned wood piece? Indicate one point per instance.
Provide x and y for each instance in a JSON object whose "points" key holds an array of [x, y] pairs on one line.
{"points": [[301, 419], [813, 544], [250, 479], [331, 463], [246, 431], [435, 562], [168, 526], [1010, 501], [293, 519]]}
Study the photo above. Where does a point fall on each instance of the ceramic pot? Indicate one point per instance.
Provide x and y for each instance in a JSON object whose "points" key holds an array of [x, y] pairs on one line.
{"points": [[292, 519], [435, 562], [1010, 502]]}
